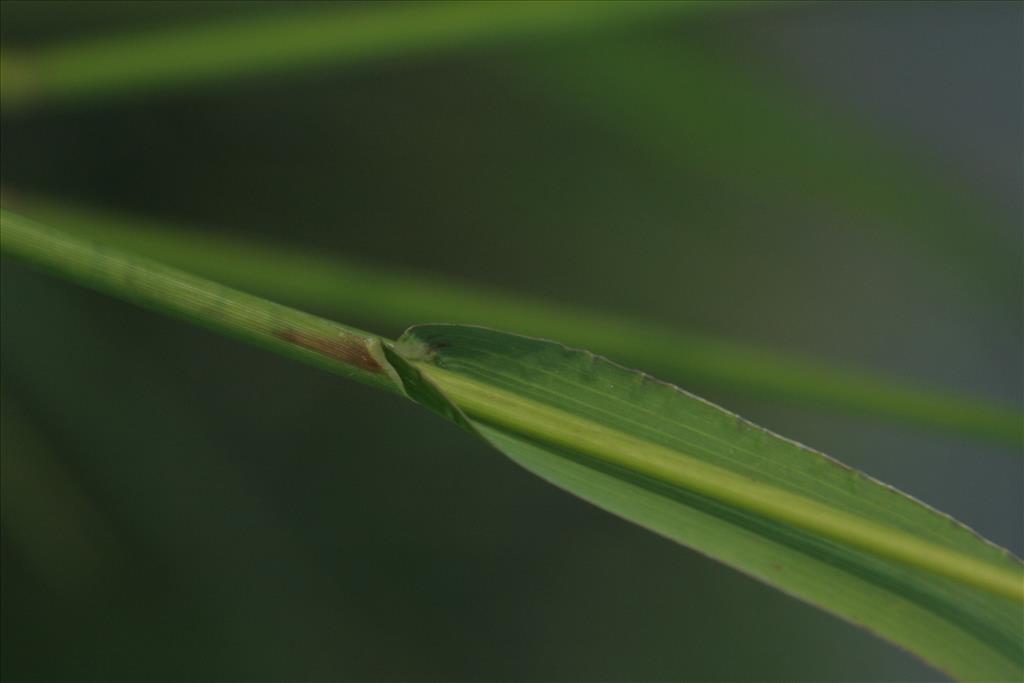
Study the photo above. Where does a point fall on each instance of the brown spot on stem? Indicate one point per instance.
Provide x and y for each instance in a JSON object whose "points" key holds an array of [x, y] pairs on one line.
{"points": [[348, 351]]}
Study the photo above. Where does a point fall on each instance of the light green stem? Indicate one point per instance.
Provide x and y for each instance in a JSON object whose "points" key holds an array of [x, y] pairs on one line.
{"points": [[330, 345]]}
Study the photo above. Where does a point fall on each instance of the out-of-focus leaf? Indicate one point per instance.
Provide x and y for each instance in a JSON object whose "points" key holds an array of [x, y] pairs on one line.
{"points": [[327, 33], [691, 108], [43, 510], [396, 298]]}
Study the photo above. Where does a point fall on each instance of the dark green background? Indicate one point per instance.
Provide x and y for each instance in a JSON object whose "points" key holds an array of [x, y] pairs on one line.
{"points": [[226, 514]]}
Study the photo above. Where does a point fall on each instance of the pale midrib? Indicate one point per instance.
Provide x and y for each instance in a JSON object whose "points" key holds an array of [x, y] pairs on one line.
{"points": [[554, 426], [751, 456]]}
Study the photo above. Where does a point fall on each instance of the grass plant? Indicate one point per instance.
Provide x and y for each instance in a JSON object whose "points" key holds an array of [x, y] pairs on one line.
{"points": [[640, 448], [511, 370]]}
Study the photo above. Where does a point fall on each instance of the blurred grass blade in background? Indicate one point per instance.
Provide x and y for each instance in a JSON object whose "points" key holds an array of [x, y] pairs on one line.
{"points": [[335, 347], [694, 109], [686, 103], [395, 298], [50, 520], [328, 34], [640, 448], [706, 478]]}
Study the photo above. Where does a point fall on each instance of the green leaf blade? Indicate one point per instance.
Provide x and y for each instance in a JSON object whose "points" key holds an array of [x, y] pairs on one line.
{"points": [[642, 449], [778, 511]]}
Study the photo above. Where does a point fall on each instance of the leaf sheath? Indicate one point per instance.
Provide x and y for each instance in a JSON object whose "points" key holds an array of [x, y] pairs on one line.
{"points": [[332, 346]]}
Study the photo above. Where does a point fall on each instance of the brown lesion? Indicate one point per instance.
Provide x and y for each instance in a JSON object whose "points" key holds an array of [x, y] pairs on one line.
{"points": [[351, 351]]}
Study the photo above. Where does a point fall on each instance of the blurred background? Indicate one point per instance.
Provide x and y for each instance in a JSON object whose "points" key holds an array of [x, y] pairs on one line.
{"points": [[841, 181]]}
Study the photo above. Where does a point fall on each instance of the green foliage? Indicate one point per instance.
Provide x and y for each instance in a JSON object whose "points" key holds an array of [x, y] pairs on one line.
{"points": [[392, 297], [333, 346], [760, 137], [643, 449], [329, 34], [708, 479], [711, 126]]}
